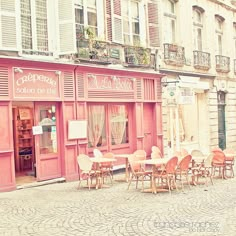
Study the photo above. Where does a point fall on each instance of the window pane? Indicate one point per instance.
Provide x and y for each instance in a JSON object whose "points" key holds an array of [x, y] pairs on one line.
{"points": [[79, 15], [135, 11], [96, 126], [48, 140], [119, 124]]}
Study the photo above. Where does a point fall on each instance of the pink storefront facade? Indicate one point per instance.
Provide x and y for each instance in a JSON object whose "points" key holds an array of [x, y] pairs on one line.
{"points": [[39, 101]]}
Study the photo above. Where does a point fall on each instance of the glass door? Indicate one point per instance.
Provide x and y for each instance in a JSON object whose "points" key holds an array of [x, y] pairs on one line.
{"points": [[48, 163]]}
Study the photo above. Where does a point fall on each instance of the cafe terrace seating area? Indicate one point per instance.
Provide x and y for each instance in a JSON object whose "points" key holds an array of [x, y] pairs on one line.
{"points": [[160, 174]]}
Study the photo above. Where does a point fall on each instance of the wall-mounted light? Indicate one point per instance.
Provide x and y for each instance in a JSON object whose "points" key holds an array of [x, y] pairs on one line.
{"points": [[18, 70], [133, 79], [58, 72]]}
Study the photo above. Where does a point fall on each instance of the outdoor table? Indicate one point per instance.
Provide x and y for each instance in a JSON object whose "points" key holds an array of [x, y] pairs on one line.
{"points": [[126, 156], [154, 163], [99, 160]]}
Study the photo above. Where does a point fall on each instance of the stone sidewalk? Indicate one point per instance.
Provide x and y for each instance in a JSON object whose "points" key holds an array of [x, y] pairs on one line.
{"points": [[63, 210]]}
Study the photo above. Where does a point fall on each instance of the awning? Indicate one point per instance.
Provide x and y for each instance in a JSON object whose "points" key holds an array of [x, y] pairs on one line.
{"points": [[192, 82]]}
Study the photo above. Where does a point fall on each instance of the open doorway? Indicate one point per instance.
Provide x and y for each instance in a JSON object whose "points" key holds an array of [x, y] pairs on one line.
{"points": [[24, 151]]}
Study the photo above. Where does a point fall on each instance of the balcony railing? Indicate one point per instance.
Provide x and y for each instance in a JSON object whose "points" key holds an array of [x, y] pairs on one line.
{"points": [[137, 56], [174, 55], [96, 51], [202, 60], [222, 64]]}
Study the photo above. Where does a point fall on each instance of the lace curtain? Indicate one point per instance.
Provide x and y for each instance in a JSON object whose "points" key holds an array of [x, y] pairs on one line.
{"points": [[118, 123], [96, 120]]}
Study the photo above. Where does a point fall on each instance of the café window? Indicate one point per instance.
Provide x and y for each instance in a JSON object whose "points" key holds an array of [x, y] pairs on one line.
{"points": [[107, 121]]}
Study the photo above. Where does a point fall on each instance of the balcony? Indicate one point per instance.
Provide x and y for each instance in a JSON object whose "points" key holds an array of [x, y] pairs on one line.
{"points": [[94, 52], [222, 64], [174, 55], [137, 56], [202, 60]]}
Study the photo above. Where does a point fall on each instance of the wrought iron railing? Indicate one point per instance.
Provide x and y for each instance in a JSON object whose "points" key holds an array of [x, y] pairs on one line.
{"points": [[201, 60], [137, 56], [174, 54], [222, 64], [95, 51]]}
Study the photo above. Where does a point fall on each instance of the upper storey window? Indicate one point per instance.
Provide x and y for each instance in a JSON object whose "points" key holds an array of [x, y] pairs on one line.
{"points": [[86, 17], [131, 24], [34, 27], [198, 28], [219, 26], [170, 21]]}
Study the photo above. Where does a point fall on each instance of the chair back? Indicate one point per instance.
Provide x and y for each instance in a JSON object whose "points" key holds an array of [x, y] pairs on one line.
{"points": [[184, 163], [84, 162], [156, 155], [97, 153], [171, 165], [156, 151], [218, 157], [107, 164], [208, 161], [134, 166], [197, 152], [141, 154]]}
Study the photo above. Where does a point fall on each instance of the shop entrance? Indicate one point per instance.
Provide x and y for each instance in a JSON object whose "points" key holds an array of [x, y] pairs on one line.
{"points": [[36, 154]]}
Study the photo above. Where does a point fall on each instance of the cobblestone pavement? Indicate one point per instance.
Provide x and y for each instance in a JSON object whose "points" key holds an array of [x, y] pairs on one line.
{"points": [[61, 209]]}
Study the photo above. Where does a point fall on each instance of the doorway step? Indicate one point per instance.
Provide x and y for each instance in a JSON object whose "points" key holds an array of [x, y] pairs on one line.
{"points": [[41, 183]]}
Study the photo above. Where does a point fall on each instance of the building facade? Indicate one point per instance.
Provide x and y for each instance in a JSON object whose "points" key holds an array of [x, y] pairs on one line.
{"points": [[197, 54], [74, 76]]}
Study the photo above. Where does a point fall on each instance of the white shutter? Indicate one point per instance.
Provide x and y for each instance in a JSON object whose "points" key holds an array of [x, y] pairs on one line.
{"points": [[142, 25], [66, 15], [100, 19], [117, 26], [8, 25]]}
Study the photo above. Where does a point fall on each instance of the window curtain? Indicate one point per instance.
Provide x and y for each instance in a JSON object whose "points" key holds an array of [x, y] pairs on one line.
{"points": [[118, 123], [96, 120]]}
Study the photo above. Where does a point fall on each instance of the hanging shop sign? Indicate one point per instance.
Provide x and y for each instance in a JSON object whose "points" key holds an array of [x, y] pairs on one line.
{"points": [[30, 83], [171, 94]]}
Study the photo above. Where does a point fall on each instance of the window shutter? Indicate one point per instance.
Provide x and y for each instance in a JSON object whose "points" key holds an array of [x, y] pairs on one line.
{"points": [[8, 25], [100, 19], [117, 28], [66, 15], [153, 24], [108, 17]]}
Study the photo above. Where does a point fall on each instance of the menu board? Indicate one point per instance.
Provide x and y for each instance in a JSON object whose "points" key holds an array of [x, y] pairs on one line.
{"points": [[77, 129]]}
